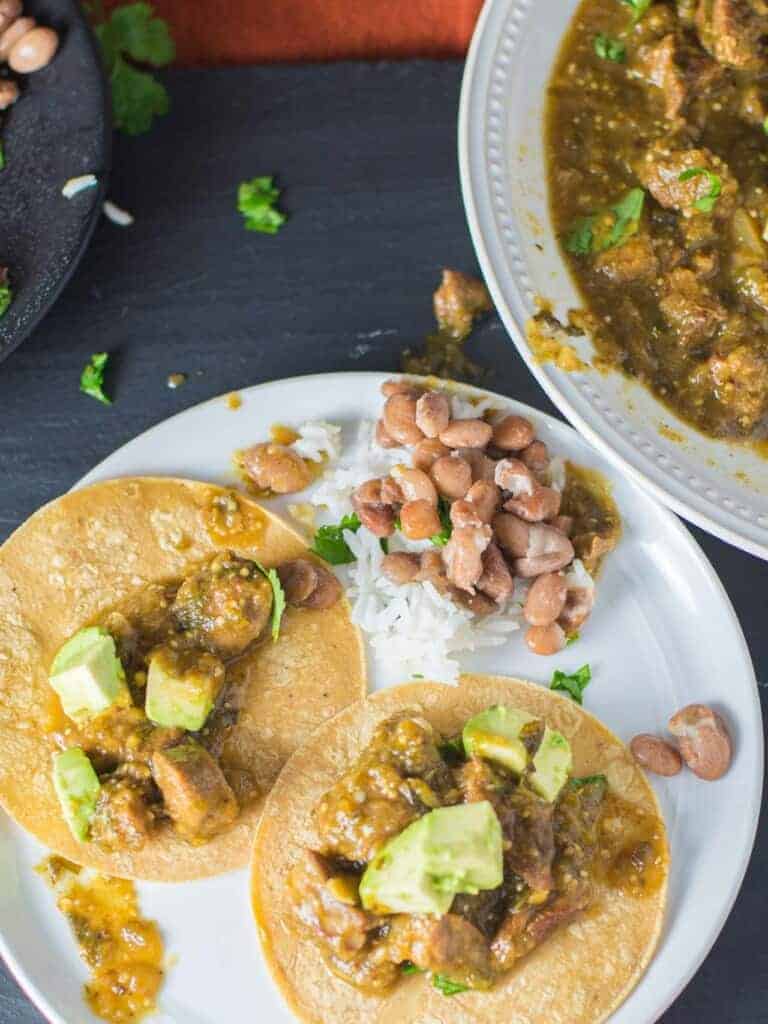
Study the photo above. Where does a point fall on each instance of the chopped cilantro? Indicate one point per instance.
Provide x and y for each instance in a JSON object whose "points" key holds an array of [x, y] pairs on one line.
{"points": [[416, 675], [606, 230], [705, 203], [2, 157], [452, 750], [610, 49], [92, 377], [329, 541], [256, 201], [384, 544], [278, 599], [587, 780], [639, 7], [572, 638], [409, 968], [132, 33], [448, 987], [6, 296], [765, 126], [444, 511], [574, 684]]}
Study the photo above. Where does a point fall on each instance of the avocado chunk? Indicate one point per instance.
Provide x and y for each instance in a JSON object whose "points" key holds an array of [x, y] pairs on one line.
{"points": [[551, 765], [77, 787], [88, 676], [449, 850], [182, 687], [495, 735]]}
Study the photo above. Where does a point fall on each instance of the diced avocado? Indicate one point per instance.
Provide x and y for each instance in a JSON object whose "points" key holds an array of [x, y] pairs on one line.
{"points": [[449, 850], [495, 735], [551, 764], [77, 787], [182, 687], [87, 675]]}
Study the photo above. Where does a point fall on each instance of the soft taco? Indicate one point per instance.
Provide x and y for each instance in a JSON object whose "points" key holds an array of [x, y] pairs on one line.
{"points": [[488, 852], [152, 684]]}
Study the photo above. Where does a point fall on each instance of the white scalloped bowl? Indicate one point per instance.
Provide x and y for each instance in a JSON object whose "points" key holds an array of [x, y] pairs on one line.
{"points": [[721, 487]]}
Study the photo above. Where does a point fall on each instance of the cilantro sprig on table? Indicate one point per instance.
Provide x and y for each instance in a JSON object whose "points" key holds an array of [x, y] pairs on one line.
{"points": [[92, 378], [131, 37], [256, 201], [574, 684]]}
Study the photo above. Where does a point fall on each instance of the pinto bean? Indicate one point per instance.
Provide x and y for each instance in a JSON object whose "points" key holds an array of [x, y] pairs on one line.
{"points": [[548, 551], [382, 438], [400, 418], [463, 555], [535, 456], [9, 12], [485, 496], [578, 606], [656, 755], [399, 387], [9, 93], [467, 434], [704, 740], [543, 504], [433, 413], [478, 604], [464, 513], [545, 599], [401, 566], [419, 519], [513, 433], [35, 50], [563, 523], [511, 533], [452, 476], [368, 493], [514, 476], [545, 639], [326, 593], [497, 581], [482, 467], [16, 31], [298, 578], [415, 484], [377, 517], [427, 452], [276, 467], [432, 569]]}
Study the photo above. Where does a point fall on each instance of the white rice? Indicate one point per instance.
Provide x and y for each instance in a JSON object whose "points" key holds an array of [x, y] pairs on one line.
{"points": [[412, 629], [117, 214], [72, 186]]}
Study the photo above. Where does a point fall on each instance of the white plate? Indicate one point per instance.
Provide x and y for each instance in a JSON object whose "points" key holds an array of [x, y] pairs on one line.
{"points": [[663, 634], [723, 488]]}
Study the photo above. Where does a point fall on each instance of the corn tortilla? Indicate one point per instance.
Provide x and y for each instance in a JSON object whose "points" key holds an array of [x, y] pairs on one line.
{"points": [[579, 975], [83, 554]]}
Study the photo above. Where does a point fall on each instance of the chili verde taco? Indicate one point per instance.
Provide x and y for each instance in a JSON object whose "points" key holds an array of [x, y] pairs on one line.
{"points": [[483, 853], [153, 681]]}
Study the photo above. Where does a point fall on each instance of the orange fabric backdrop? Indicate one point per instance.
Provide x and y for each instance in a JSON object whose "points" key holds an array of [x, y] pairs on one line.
{"points": [[254, 31]]}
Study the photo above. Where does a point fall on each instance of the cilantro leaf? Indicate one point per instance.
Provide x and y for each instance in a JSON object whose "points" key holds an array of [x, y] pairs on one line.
{"points": [[611, 227], [92, 377], [6, 296], [2, 157], [572, 638], [444, 511], [329, 541], [765, 126], [384, 544], [705, 203], [587, 780], [137, 98], [610, 49], [574, 684], [133, 33], [448, 987], [256, 201], [278, 599], [639, 7], [409, 968]]}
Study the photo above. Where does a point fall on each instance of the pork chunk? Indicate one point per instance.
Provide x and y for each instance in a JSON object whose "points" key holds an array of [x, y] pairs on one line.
{"points": [[660, 170], [633, 262], [458, 301], [197, 797], [733, 31], [123, 816], [447, 945], [740, 380], [681, 71], [690, 308]]}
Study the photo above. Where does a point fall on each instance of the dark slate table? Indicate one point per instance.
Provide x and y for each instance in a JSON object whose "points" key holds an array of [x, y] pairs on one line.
{"points": [[367, 155]]}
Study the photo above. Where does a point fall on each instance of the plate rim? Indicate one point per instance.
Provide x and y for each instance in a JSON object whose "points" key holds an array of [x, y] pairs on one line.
{"points": [[476, 195], [685, 538]]}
